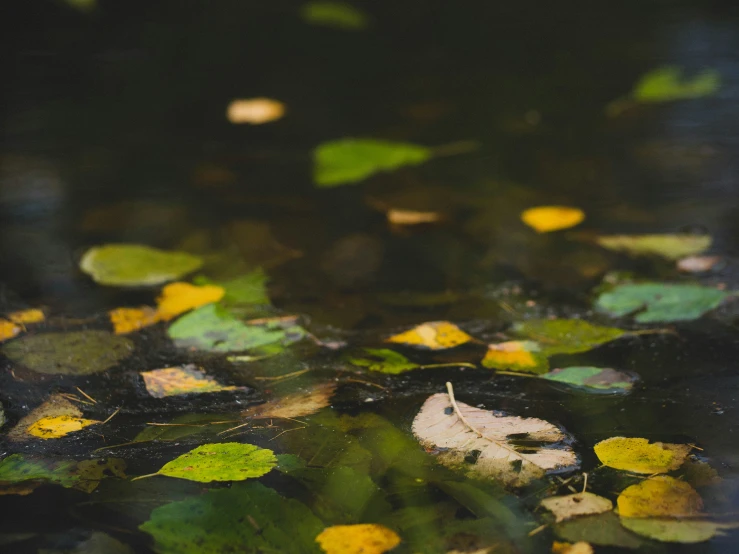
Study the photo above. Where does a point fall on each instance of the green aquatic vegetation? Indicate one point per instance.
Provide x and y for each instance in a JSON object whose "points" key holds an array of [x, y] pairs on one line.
{"points": [[339, 15], [668, 83]]}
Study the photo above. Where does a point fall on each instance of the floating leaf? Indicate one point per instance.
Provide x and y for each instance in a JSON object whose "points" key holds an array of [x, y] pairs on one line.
{"points": [[410, 217], [603, 529], [230, 461], [132, 265], [436, 335], [294, 405], [96, 543], [666, 83], [578, 504], [178, 298], [662, 302], [366, 538], [174, 381], [55, 418], [676, 530], [247, 517], [128, 320], [566, 336], [8, 329], [513, 449], [660, 496], [255, 110], [54, 427], [185, 426], [544, 219], [568, 548], [516, 355], [640, 456], [601, 379], [672, 247], [23, 317], [384, 361], [698, 264], [73, 353], [20, 474], [339, 15], [351, 160]]}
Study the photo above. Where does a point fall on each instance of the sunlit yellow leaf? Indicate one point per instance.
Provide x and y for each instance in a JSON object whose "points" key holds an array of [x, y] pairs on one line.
{"points": [[255, 110], [660, 496], [54, 427], [173, 381], [639, 456], [128, 320], [569, 548], [178, 298], [365, 538], [516, 355], [544, 219], [27, 316], [411, 217], [8, 329], [435, 335]]}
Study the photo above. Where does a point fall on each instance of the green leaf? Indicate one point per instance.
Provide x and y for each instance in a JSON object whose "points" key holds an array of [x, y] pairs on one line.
{"points": [[602, 529], [96, 543], [249, 289], [185, 426], [338, 15], [666, 83], [351, 160], [384, 361], [247, 517], [672, 247], [664, 302], [133, 265], [74, 353], [601, 379], [17, 468], [566, 336], [230, 461], [523, 356], [675, 530]]}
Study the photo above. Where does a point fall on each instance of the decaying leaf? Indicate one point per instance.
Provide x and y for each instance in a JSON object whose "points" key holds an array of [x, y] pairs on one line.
{"points": [[545, 219], [383, 360], [603, 529], [294, 405], [659, 496], [513, 449], [516, 355], [53, 419], [578, 504], [365, 538], [330, 13], [435, 335], [640, 456], [672, 247], [600, 379], [128, 320], [686, 531], [255, 110], [21, 474], [174, 381]]}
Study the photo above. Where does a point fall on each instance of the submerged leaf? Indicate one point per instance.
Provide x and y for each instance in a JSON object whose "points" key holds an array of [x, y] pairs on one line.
{"points": [[351, 160], [545, 219], [662, 302], [672, 247], [640, 456], [20, 474], [660, 496], [188, 379], [384, 361], [133, 265], [566, 336], [366, 538], [676, 530], [255, 110], [485, 442], [603, 529], [339, 15], [666, 83], [297, 404], [516, 355], [601, 379], [578, 504], [436, 335]]}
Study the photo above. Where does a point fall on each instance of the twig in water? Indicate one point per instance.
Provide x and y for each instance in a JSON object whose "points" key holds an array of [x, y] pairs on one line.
{"points": [[83, 393], [282, 377], [111, 416]]}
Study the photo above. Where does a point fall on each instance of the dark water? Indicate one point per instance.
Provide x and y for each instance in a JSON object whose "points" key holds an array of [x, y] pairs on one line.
{"points": [[114, 130]]}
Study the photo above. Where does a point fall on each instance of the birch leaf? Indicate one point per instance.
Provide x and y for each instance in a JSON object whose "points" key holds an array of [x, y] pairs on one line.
{"points": [[435, 335], [578, 504], [366, 538], [516, 355], [640, 456], [53, 419], [513, 449]]}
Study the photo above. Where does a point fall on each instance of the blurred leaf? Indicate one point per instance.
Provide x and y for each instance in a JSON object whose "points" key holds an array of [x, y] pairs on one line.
{"points": [[566, 336], [676, 530], [662, 302], [339, 15], [517, 355], [31, 471], [296, 404], [602, 379], [672, 247], [27, 316], [128, 320], [82, 5], [602, 529], [384, 361], [397, 216], [247, 517], [255, 110], [248, 289], [576, 505], [545, 219], [698, 264], [178, 298], [640, 456], [435, 335], [351, 160], [366, 538], [96, 543], [133, 265], [568, 548], [8, 329], [660, 496], [188, 379], [666, 83]]}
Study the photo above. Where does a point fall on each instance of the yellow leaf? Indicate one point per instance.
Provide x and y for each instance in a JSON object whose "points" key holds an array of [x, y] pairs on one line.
{"points": [[127, 320], [366, 538], [639, 456], [54, 406], [544, 219], [8, 329], [178, 298], [411, 217], [255, 110], [27, 316], [435, 335], [516, 355], [173, 381], [54, 427], [580, 547], [660, 496], [575, 505]]}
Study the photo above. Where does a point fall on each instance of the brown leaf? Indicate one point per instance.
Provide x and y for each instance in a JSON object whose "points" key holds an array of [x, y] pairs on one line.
{"points": [[294, 405]]}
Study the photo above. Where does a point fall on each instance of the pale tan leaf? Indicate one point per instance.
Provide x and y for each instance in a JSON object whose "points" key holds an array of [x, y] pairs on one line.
{"points": [[578, 504], [294, 405]]}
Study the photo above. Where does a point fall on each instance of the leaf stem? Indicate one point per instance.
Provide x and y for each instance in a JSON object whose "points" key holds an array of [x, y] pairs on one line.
{"points": [[454, 364], [145, 476]]}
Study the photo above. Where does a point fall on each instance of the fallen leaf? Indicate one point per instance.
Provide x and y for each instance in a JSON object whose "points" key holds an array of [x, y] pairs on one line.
{"points": [[676, 530], [569, 548], [698, 264], [665, 84], [671, 247], [339, 15], [128, 320], [488, 444], [54, 418], [383, 360], [96, 543], [255, 110], [578, 504], [351, 160], [294, 405], [73, 353], [603, 529], [410, 217], [545, 219], [133, 265], [516, 355], [178, 298], [8, 329], [22, 317], [174, 381], [566, 336], [640, 456], [364, 538], [54, 427], [660, 496], [436, 335], [20, 474], [662, 302], [600, 379]]}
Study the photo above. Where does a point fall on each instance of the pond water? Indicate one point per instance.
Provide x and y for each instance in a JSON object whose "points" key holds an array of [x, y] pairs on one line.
{"points": [[115, 131]]}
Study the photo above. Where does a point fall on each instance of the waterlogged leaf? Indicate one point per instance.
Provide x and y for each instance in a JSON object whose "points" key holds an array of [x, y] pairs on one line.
{"points": [[600, 379], [91, 472], [297, 404], [566, 336], [255, 110], [24, 317], [351, 160], [230, 461], [174, 381], [384, 361], [661, 302], [186, 426], [54, 427], [339, 15], [133, 265], [676, 530], [246, 517], [73, 353], [57, 411], [578, 504], [178, 298], [668, 83], [513, 449], [545, 219], [672, 247], [365, 538], [96, 543], [640, 456], [660, 496], [20, 474], [128, 320], [435, 335], [516, 355], [247, 290], [603, 529]]}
